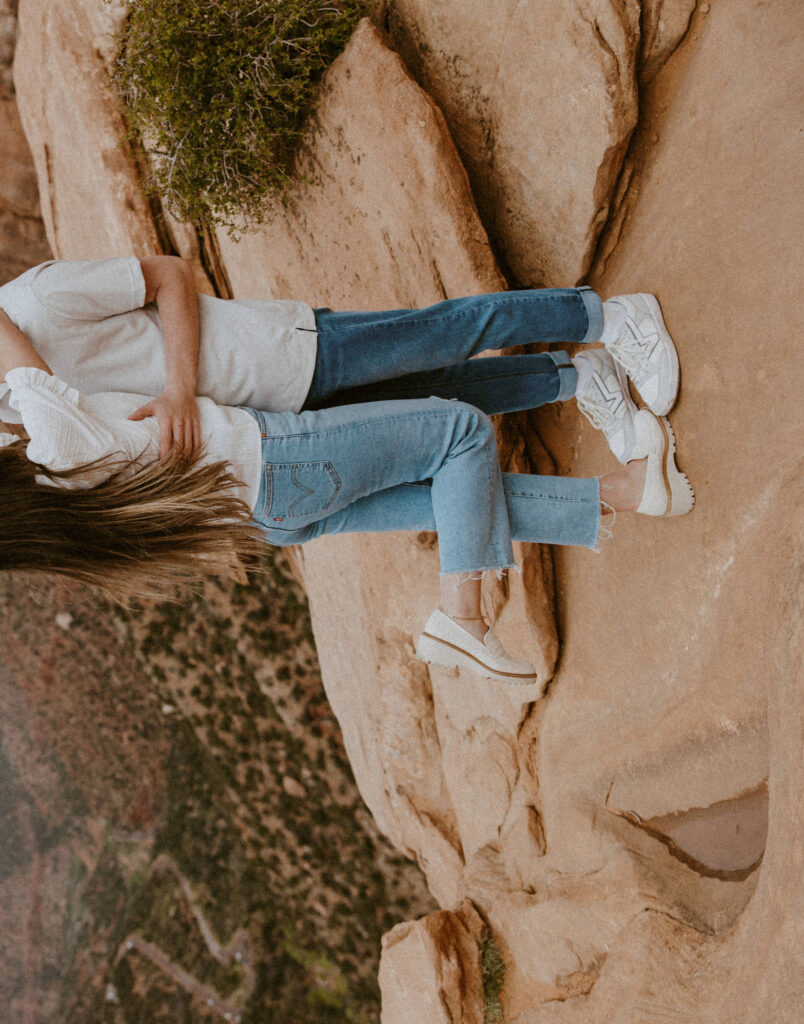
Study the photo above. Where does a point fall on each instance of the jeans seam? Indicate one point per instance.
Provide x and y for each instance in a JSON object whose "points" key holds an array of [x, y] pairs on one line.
{"points": [[497, 376], [362, 424], [445, 316], [426, 389]]}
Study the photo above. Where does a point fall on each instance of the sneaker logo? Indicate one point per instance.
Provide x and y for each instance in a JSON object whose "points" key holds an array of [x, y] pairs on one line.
{"points": [[612, 399], [647, 341]]}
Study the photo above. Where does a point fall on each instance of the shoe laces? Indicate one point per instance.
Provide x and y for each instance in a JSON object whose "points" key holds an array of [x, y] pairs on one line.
{"points": [[596, 411], [630, 350], [599, 416]]}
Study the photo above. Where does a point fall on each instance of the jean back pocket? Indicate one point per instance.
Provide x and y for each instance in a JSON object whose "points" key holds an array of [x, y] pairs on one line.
{"points": [[299, 490]]}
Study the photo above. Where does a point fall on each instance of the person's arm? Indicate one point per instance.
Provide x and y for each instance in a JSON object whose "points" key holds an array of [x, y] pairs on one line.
{"points": [[169, 283], [15, 348]]}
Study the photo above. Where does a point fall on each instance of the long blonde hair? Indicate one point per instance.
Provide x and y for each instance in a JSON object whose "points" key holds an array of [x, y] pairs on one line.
{"points": [[142, 532]]}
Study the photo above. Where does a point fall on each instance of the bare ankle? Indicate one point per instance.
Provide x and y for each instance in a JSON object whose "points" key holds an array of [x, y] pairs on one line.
{"points": [[474, 624], [622, 490]]}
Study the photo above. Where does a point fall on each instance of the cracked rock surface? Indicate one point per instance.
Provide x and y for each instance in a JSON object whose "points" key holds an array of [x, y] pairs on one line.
{"points": [[598, 834], [22, 237]]}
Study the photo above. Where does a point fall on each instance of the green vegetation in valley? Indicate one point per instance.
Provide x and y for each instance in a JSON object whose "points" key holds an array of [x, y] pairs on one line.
{"points": [[493, 972], [220, 93], [307, 878], [161, 915], [229, 843]]}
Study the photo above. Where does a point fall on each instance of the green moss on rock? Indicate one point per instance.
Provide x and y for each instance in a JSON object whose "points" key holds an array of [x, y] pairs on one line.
{"points": [[220, 92]]}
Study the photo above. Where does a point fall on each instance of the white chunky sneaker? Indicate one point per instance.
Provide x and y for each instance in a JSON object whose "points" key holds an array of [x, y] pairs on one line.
{"points": [[606, 403], [667, 490], [443, 642], [646, 351]]}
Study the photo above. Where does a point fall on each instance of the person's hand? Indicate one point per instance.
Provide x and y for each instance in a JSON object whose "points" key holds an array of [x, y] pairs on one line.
{"points": [[179, 421]]}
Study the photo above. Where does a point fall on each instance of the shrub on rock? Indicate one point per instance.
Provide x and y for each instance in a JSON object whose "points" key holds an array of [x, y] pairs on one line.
{"points": [[220, 91]]}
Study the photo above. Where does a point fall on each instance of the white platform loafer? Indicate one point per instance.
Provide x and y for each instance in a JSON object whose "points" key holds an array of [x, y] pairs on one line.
{"points": [[667, 491], [443, 642]]}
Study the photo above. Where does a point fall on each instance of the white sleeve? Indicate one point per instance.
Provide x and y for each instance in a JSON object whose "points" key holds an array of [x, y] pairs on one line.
{"points": [[63, 435], [89, 289]]}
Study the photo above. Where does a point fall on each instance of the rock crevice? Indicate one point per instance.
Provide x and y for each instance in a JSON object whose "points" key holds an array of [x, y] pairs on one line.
{"points": [[678, 639]]}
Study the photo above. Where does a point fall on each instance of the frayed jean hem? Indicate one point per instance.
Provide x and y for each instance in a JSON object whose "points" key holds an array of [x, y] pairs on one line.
{"points": [[480, 573]]}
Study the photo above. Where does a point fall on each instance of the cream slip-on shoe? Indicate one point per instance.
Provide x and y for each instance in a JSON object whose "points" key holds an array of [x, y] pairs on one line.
{"points": [[667, 490], [443, 642]]}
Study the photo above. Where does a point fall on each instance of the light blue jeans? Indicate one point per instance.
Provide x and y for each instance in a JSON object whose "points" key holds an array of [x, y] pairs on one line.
{"points": [[395, 433], [413, 464]]}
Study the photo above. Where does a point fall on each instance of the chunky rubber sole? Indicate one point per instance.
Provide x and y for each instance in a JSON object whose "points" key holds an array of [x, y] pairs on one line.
{"points": [[435, 651], [667, 490], [682, 496]]}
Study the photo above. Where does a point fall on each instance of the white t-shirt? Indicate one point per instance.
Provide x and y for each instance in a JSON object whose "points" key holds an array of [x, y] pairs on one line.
{"points": [[87, 320], [69, 430]]}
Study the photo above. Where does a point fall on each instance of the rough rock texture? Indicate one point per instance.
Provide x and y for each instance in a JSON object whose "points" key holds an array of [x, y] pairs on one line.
{"points": [[663, 24], [22, 235], [89, 187], [433, 964], [708, 700], [361, 234], [541, 100], [678, 687]]}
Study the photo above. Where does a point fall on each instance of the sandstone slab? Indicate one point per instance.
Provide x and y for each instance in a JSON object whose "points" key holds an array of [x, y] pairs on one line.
{"points": [[387, 220], [541, 100], [684, 638], [430, 969], [89, 186]]}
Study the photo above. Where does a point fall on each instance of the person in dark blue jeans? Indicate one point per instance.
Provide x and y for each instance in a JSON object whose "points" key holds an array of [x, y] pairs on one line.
{"points": [[414, 353], [401, 356]]}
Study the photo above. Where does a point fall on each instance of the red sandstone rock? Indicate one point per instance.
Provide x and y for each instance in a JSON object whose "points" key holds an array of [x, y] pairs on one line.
{"points": [[430, 970], [681, 638], [541, 100]]}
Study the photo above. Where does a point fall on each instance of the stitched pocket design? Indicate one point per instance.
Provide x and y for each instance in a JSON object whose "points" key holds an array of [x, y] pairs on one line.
{"points": [[299, 490]]}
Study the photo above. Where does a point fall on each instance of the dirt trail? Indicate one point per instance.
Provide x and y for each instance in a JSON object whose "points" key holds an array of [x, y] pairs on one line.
{"points": [[236, 950]]}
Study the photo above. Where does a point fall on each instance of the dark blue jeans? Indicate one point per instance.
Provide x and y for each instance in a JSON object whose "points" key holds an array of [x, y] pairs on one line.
{"points": [[416, 353]]}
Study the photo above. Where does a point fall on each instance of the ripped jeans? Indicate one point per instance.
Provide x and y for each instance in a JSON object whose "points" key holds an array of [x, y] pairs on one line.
{"points": [[413, 464]]}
